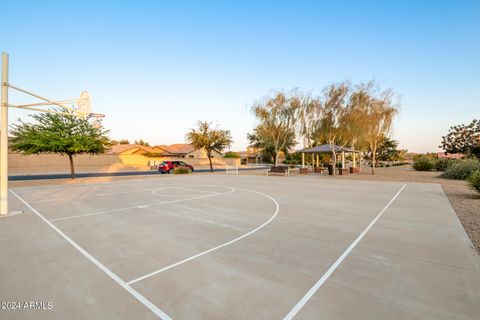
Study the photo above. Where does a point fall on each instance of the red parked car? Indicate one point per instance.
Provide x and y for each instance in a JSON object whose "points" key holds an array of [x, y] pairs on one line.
{"points": [[169, 166]]}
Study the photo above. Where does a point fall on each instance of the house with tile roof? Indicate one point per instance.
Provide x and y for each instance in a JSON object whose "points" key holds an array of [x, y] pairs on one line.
{"points": [[132, 149], [443, 155], [178, 150]]}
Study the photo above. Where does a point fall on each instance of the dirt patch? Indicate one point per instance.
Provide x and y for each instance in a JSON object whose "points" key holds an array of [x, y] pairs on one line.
{"points": [[464, 199]]}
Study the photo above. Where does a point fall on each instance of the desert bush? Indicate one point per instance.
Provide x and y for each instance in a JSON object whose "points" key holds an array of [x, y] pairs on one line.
{"points": [[430, 155], [231, 154], [474, 180], [423, 163], [461, 169], [152, 154], [444, 164], [182, 170]]}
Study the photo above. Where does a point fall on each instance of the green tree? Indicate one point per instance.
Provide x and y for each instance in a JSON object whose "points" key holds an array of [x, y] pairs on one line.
{"points": [[264, 143], [375, 114], [307, 114], [232, 154], [210, 139], [124, 141], [276, 117], [142, 143], [388, 150], [463, 139], [59, 133], [331, 126]]}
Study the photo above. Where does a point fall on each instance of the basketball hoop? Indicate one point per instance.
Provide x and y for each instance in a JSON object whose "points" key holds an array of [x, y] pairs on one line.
{"points": [[84, 105], [82, 110]]}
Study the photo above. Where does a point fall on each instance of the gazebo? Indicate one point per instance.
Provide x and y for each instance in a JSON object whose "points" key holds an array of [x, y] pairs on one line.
{"points": [[326, 148]]}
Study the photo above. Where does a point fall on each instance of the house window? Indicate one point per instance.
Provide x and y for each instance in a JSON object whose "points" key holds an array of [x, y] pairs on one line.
{"points": [[190, 156]]}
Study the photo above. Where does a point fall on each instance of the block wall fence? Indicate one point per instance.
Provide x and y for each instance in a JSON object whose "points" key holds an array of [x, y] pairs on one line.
{"points": [[53, 163]]}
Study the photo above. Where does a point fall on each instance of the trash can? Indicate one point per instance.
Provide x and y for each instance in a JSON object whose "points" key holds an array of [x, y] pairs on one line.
{"points": [[330, 169]]}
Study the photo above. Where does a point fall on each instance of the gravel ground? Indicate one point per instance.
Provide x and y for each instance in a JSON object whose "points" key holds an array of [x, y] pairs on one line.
{"points": [[464, 199]]}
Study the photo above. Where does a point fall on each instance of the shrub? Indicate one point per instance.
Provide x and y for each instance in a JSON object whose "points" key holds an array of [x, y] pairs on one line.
{"points": [[444, 164], [474, 180], [461, 169], [231, 154], [152, 154], [423, 163], [182, 170]]}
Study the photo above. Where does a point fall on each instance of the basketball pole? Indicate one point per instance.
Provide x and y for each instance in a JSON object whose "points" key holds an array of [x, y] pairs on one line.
{"points": [[84, 113], [4, 139]]}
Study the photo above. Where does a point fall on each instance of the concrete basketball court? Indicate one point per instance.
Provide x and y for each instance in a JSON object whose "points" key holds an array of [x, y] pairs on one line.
{"points": [[236, 247]]}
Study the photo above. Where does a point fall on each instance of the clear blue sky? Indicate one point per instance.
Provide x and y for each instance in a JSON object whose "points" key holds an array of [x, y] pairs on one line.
{"points": [[156, 67]]}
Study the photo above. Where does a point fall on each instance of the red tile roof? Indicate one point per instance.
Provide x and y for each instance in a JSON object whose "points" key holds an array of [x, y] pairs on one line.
{"points": [[178, 148], [174, 149], [120, 148], [442, 155]]}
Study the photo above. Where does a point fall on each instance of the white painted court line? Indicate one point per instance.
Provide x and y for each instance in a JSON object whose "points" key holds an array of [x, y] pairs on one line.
{"points": [[89, 196], [142, 206], [300, 304], [122, 192], [160, 194], [198, 255], [196, 190], [147, 303]]}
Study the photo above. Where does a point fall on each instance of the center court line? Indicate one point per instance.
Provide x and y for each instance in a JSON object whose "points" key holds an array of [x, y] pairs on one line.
{"points": [[300, 304], [198, 255], [147, 303], [142, 206]]}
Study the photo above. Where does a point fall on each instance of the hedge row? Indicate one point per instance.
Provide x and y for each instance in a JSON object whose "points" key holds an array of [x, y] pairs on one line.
{"points": [[466, 169]]}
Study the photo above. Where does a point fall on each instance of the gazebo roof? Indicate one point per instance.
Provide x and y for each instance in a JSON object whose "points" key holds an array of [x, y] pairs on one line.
{"points": [[325, 148]]}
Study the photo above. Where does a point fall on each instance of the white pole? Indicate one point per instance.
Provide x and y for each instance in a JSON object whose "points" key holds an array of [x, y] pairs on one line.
{"points": [[343, 159], [4, 138], [303, 160]]}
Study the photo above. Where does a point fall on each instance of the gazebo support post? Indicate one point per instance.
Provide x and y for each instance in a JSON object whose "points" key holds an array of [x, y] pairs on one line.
{"points": [[318, 160], [354, 159], [303, 160], [360, 156], [343, 159]]}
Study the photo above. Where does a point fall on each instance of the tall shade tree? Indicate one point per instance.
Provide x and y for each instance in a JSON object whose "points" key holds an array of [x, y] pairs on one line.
{"points": [[266, 146], [331, 126], [378, 113], [210, 139], [59, 133], [463, 139], [276, 121], [307, 114], [357, 118]]}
